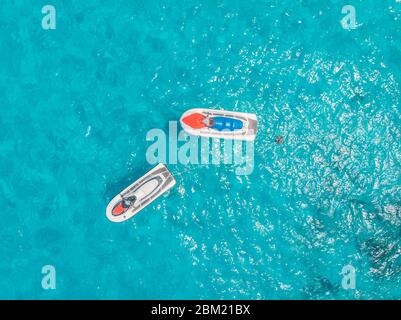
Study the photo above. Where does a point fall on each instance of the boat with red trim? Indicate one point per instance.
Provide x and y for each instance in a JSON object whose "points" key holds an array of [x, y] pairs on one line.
{"points": [[140, 194], [220, 124]]}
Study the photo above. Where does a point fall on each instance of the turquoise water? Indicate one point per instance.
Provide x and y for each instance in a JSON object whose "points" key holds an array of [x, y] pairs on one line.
{"points": [[78, 101]]}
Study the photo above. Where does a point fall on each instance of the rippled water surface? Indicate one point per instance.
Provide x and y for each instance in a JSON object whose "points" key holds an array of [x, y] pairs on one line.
{"points": [[78, 101]]}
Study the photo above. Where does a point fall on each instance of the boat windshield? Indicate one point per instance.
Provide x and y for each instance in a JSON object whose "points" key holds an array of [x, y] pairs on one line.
{"points": [[127, 202], [208, 122]]}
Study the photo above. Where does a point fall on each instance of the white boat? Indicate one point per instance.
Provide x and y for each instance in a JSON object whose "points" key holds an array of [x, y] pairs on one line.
{"points": [[140, 194], [220, 124]]}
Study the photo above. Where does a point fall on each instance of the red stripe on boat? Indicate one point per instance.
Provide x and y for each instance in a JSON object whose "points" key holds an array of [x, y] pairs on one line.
{"points": [[195, 121], [118, 209]]}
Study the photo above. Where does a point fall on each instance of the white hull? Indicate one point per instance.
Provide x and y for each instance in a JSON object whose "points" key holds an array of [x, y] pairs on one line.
{"points": [[146, 189], [248, 131]]}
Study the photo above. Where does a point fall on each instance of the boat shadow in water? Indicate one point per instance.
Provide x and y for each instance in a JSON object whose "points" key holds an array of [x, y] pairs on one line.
{"points": [[321, 287], [379, 239], [383, 253]]}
